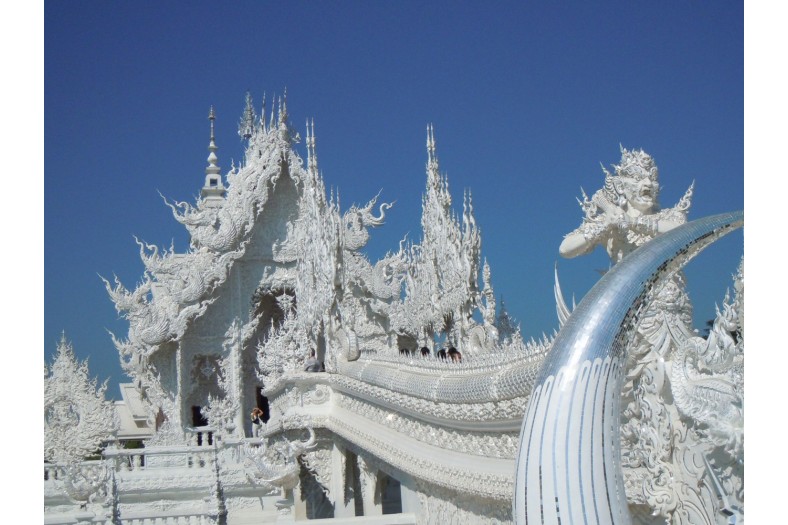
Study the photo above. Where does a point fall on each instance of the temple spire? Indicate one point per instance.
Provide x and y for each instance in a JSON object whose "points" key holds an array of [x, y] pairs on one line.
{"points": [[273, 112], [310, 146], [213, 191], [248, 119], [430, 144], [283, 108], [432, 156], [284, 129]]}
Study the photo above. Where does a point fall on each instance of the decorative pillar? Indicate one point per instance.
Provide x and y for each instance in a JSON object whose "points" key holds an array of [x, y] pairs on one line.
{"points": [[370, 490], [299, 503], [344, 506]]}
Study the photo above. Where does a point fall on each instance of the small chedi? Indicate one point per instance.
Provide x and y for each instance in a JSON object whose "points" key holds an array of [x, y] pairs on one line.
{"points": [[278, 375]]}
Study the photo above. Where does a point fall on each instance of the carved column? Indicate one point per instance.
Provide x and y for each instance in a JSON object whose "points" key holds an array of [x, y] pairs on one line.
{"points": [[343, 506], [369, 488], [299, 503]]}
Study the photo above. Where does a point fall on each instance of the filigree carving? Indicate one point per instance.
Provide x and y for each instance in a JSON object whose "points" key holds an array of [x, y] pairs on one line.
{"points": [[318, 462], [222, 412], [77, 417], [679, 399], [488, 444], [286, 347], [276, 462], [88, 483]]}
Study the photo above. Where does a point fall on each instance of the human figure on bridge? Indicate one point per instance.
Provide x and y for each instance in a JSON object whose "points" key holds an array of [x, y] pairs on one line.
{"points": [[312, 364]]}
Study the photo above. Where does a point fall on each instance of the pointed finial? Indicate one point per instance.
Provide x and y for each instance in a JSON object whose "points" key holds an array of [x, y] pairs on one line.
{"points": [[310, 145], [213, 189], [212, 145], [430, 143], [283, 108], [313, 149], [248, 118], [273, 112], [262, 114]]}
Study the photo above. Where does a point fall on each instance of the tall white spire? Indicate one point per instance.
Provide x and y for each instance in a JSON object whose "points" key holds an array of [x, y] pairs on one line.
{"points": [[214, 190], [432, 157], [310, 146]]}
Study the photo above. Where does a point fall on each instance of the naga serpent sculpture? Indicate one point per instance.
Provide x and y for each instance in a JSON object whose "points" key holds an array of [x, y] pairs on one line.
{"points": [[569, 460]]}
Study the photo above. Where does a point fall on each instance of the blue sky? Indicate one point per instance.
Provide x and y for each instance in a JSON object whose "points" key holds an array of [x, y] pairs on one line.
{"points": [[526, 102]]}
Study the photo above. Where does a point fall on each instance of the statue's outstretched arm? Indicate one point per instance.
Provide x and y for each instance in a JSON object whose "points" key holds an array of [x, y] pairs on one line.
{"points": [[575, 244], [600, 216]]}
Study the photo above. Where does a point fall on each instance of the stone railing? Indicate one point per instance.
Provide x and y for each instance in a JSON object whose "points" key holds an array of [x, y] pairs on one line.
{"points": [[150, 518], [134, 460], [196, 517], [54, 471], [59, 471], [200, 436]]}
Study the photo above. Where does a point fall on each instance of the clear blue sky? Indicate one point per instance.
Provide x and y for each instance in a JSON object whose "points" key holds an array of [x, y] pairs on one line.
{"points": [[526, 103]]}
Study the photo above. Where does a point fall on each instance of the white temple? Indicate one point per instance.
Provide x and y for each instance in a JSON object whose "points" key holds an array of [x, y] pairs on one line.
{"points": [[277, 375]]}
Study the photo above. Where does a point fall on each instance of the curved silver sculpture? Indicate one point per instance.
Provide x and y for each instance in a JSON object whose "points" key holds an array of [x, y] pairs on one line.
{"points": [[568, 464]]}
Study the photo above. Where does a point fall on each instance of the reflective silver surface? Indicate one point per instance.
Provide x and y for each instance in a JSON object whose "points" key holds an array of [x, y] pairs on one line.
{"points": [[568, 464]]}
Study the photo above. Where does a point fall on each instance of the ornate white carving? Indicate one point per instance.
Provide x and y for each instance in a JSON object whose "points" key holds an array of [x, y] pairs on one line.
{"points": [[496, 444], [286, 348], [222, 412], [275, 270], [88, 483], [276, 462], [318, 462], [442, 506], [674, 381], [77, 417]]}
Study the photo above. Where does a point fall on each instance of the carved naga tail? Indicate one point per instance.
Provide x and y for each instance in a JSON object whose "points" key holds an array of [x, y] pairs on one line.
{"points": [[569, 460]]}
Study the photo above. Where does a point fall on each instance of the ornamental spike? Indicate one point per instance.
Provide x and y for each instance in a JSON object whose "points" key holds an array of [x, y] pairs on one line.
{"points": [[273, 111], [311, 145], [283, 108], [248, 118], [262, 114], [211, 117]]}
